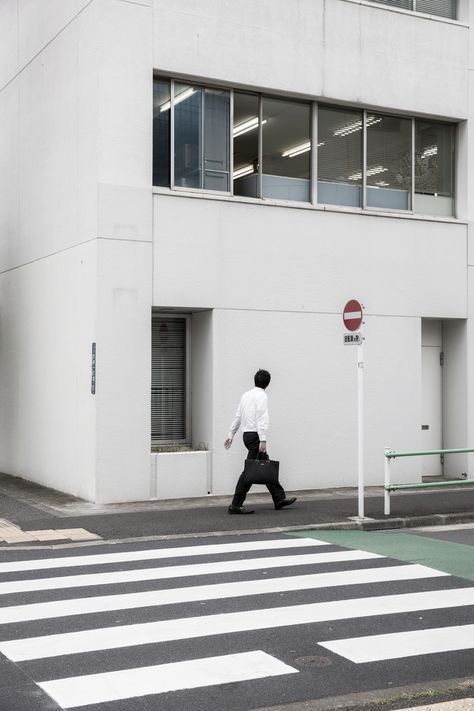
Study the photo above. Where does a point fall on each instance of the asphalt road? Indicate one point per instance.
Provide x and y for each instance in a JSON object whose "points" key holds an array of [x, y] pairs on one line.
{"points": [[234, 622]]}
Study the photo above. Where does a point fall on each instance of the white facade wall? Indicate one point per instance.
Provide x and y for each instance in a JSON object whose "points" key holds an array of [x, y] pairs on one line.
{"points": [[88, 248]]}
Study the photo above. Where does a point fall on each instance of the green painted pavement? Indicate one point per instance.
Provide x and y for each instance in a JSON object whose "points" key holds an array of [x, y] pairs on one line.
{"points": [[454, 558]]}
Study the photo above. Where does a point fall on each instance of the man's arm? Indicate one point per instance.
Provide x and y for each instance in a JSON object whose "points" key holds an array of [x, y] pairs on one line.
{"points": [[234, 427], [262, 420]]}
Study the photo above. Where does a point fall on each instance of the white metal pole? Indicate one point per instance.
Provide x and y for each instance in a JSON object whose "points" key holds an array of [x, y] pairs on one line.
{"points": [[360, 424], [387, 483]]}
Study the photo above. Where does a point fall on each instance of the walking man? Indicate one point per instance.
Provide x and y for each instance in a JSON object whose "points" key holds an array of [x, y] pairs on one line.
{"points": [[252, 418]]}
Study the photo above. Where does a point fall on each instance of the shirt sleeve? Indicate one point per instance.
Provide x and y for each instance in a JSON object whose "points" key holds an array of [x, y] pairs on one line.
{"points": [[235, 422], [262, 419]]}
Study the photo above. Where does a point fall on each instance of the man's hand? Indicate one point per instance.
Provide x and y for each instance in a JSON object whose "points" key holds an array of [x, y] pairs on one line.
{"points": [[228, 443], [262, 447]]}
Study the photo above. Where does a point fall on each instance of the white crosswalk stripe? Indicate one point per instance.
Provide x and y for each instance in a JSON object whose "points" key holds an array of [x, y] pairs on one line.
{"points": [[259, 586]]}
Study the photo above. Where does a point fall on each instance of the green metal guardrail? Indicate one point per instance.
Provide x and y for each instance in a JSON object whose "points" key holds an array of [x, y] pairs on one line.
{"points": [[388, 487]]}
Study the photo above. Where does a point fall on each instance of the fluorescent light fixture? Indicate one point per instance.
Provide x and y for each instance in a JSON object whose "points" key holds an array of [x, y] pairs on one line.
{"points": [[248, 125], [244, 170], [432, 151], [297, 150], [178, 99], [356, 126], [371, 171]]}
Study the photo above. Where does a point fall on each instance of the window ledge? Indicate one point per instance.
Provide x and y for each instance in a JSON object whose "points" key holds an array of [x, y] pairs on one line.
{"points": [[308, 206], [413, 13]]}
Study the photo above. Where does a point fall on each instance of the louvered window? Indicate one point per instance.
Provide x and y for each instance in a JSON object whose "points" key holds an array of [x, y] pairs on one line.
{"points": [[169, 379], [442, 8]]}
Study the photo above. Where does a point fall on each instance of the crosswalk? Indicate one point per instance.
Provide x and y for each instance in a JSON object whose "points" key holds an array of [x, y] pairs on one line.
{"points": [[171, 622]]}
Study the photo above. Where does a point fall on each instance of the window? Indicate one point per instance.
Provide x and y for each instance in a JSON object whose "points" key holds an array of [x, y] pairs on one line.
{"points": [[389, 159], [340, 156], [192, 123], [245, 135], [169, 379], [364, 159], [161, 132], [434, 168], [443, 8], [286, 146]]}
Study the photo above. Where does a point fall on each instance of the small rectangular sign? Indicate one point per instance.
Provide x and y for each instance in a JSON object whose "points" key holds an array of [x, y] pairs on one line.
{"points": [[353, 339], [93, 364]]}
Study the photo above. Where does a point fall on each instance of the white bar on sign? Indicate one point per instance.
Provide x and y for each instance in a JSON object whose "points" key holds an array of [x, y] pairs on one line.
{"points": [[180, 571], [403, 644], [128, 601], [93, 640], [158, 554], [131, 683], [352, 315]]}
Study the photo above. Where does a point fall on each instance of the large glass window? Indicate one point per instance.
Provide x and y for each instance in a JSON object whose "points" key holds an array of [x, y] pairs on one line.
{"points": [[441, 8], [389, 162], [245, 137], [364, 159], [434, 168], [201, 137], [286, 150], [340, 156], [161, 132], [168, 379]]}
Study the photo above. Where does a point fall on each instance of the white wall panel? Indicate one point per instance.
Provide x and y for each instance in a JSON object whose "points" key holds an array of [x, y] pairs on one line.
{"points": [[47, 414], [344, 51], [235, 255], [313, 395]]}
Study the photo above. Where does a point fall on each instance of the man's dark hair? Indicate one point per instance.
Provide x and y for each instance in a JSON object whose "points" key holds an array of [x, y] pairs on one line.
{"points": [[262, 379]]}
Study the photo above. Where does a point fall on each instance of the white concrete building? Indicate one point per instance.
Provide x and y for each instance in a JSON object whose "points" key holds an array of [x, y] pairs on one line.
{"points": [[191, 190]]}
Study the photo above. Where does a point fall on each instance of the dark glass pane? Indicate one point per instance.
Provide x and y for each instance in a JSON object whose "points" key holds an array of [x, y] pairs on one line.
{"points": [[434, 154], [245, 135], [339, 156], [389, 162], [187, 136], [286, 150], [216, 139], [161, 132]]}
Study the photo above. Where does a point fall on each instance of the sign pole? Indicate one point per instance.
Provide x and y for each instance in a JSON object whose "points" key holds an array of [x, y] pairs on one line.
{"points": [[353, 318], [360, 426]]}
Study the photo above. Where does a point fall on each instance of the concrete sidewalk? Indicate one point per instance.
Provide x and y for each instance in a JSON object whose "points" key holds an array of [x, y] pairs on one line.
{"points": [[54, 517]]}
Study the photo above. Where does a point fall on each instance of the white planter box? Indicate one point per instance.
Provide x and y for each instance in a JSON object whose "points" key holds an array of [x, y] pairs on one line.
{"points": [[176, 475]]}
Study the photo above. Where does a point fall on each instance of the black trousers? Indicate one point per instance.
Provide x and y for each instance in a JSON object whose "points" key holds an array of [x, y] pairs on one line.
{"points": [[277, 492]]}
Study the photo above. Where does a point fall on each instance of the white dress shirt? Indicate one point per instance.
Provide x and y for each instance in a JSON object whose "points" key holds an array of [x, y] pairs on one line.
{"points": [[252, 414]]}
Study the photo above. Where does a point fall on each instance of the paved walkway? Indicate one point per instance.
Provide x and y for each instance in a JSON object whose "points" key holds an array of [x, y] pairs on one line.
{"points": [[29, 512]]}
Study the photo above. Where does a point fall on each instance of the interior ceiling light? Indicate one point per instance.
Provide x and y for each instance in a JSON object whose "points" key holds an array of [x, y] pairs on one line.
{"points": [[178, 99], [248, 125], [297, 150], [431, 151], [244, 170], [371, 171], [356, 126]]}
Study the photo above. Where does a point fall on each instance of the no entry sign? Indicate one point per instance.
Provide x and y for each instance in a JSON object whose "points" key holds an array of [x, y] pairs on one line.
{"points": [[352, 315]]}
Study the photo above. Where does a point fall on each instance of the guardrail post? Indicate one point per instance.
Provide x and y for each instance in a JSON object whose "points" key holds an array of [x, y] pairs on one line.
{"points": [[387, 483]]}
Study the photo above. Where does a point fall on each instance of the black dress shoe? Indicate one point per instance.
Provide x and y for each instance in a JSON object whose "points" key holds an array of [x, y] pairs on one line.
{"points": [[239, 510], [285, 502]]}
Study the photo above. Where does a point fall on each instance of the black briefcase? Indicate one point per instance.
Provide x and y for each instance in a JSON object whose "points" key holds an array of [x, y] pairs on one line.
{"points": [[261, 471]]}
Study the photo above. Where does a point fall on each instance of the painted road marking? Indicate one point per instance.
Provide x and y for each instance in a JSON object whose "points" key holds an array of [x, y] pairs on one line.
{"points": [[209, 625], [403, 644], [181, 571], [157, 553], [128, 601], [130, 683]]}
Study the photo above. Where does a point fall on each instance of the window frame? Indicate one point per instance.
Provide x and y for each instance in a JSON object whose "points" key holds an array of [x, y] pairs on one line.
{"points": [[157, 314], [314, 112]]}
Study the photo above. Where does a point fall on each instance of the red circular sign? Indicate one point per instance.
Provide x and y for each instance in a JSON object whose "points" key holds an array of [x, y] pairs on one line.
{"points": [[352, 315]]}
